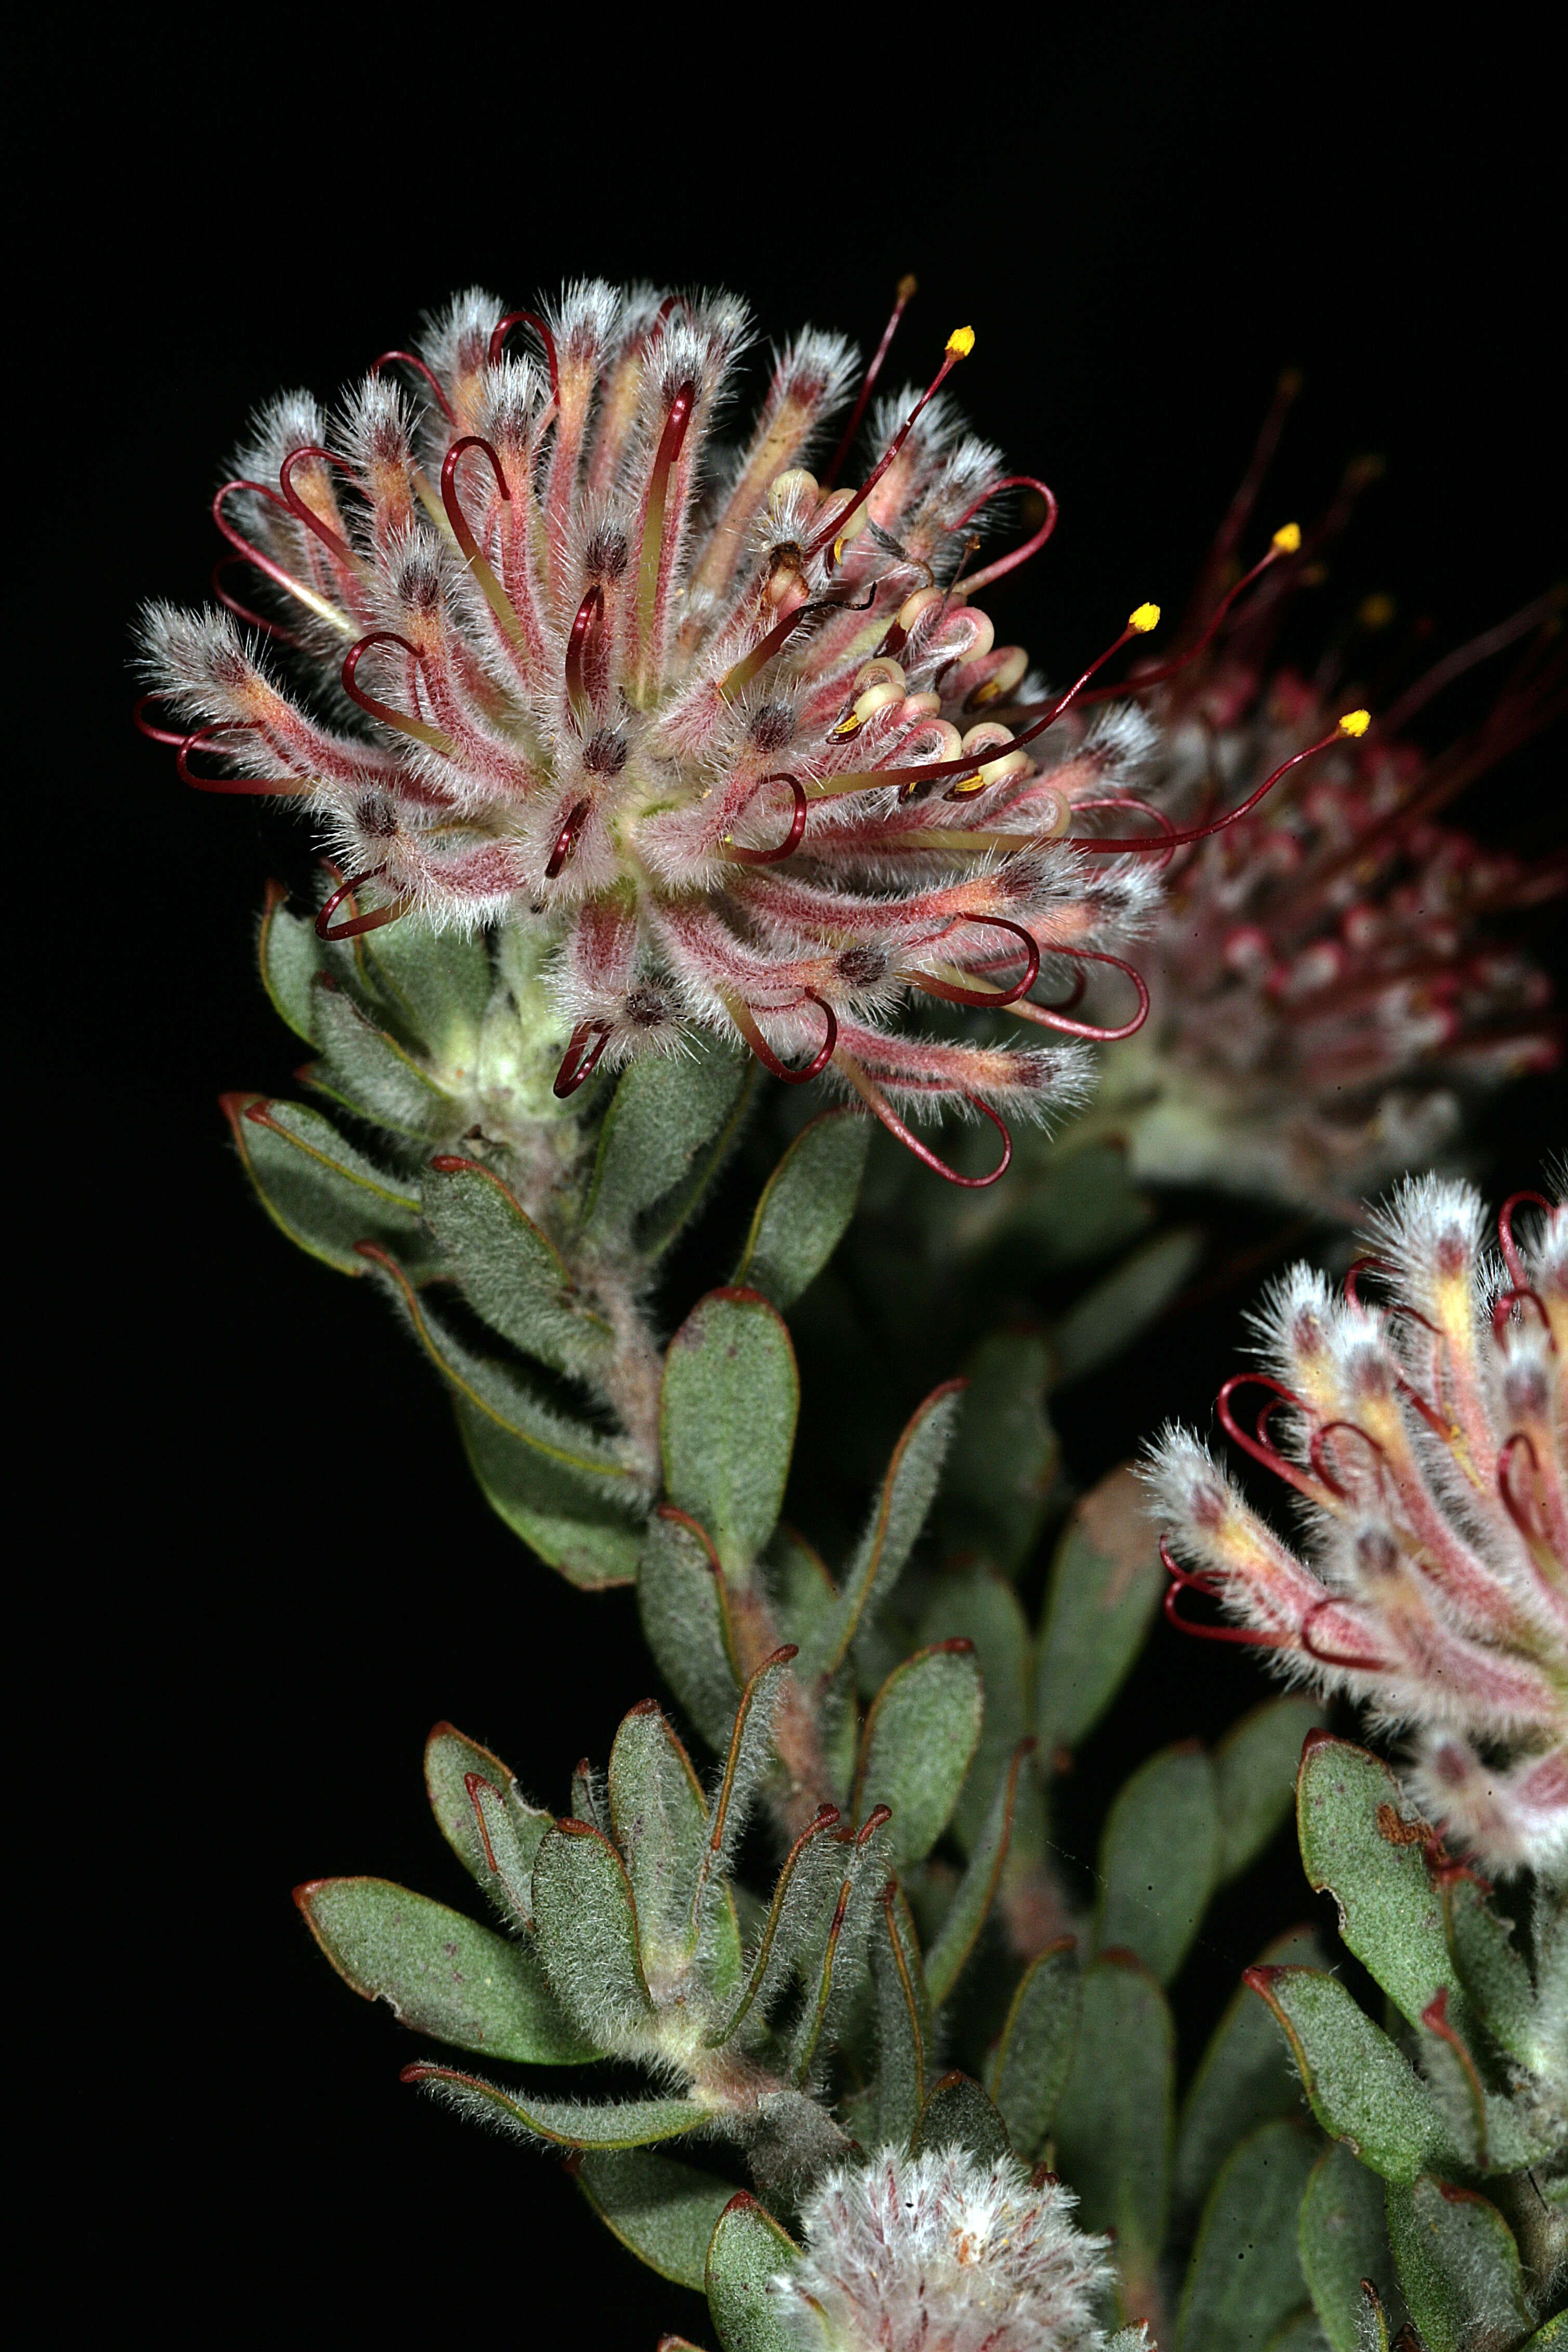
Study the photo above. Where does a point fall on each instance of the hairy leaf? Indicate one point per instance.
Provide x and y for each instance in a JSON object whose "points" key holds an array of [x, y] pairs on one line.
{"points": [[1342, 2238], [658, 1820], [919, 1739], [971, 1905], [838, 1956], [906, 1494], [1244, 2280], [665, 1110], [727, 1409], [567, 2123], [812, 1872], [1115, 2122], [663, 2211], [1361, 2089], [586, 1927], [806, 1207], [1255, 1767], [572, 1524], [1492, 1970], [514, 1278], [747, 2248], [1459, 2266], [1244, 2079], [959, 2114], [1106, 1583], [1004, 1456], [436, 985], [685, 1612], [451, 1760], [438, 1973], [291, 955], [1035, 2052], [1355, 1843], [978, 1607], [369, 1071], [319, 1190], [1111, 1313], [1157, 1858], [903, 2017]]}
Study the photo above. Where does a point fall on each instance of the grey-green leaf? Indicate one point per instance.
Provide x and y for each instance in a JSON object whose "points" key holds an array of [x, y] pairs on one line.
{"points": [[685, 1612], [1355, 1843], [291, 955], [659, 1817], [1459, 2266], [1254, 1767], [566, 1518], [1106, 1583], [440, 1973], [903, 2017], [967, 1913], [1492, 1970], [565, 2123], [319, 1190], [1244, 2079], [1342, 2239], [1361, 2088], [450, 1762], [665, 1110], [1244, 2281], [975, 1605], [806, 1207], [727, 1409], [1158, 1857], [514, 1278], [368, 1071], [1115, 2122], [747, 2248], [920, 1739], [1035, 2052], [663, 2211], [1004, 1456], [436, 985], [586, 1928], [1111, 1313], [907, 1491], [959, 2114]]}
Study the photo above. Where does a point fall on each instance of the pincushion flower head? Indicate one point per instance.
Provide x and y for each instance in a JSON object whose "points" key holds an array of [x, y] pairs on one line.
{"points": [[939, 2252], [1328, 975], [1428, 1441], [715, 732]]}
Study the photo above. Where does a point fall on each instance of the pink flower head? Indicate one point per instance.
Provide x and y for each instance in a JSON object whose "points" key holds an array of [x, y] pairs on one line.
{"points": [[721, 732], [940, 2253], [1428, 1440]]}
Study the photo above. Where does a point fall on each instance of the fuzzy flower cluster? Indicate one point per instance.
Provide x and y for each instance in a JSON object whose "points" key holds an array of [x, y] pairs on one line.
{"points": [[723, 731], [939, 2253], [1428, 1440], [1325, 983]]}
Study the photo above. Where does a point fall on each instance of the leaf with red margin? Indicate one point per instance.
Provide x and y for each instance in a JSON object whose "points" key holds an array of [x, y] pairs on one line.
{"points": [[318, 1191], [1363, 2090], [568, 2123], [727, 1409], [747, 2248]]}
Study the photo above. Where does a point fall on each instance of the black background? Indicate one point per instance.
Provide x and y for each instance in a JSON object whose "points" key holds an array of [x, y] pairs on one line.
{"points": [[264, 1570]]}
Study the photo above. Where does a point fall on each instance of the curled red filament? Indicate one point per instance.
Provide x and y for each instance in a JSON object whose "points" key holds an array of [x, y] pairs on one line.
{"points": [[566, 839], [384, 711], [1523, 1520], [1031, 546], [244, 612], [1337, 1657], [581, 1058], [412, 359], [1051, 1017], [243, 547], [956, 994], [449, 499], [876, 1102], [258, 786], [1183, 1580], [357, 925], [1216, 824], [144, 726], [1505, 1232], [1259, 1447], [759, 1045], [541, 327], [331, 540], [1503, 1306], [1137, 808], [1317, 1449], [791, 839]]}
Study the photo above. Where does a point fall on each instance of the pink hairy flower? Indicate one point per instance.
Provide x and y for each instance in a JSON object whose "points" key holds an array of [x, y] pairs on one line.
{"points": [[940, 2253], [723, 735], [1428, 1440]]}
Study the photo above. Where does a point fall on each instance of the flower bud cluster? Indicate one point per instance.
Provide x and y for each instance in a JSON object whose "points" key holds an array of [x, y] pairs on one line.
{"points": [[718, 733], [1428, 1440]]}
